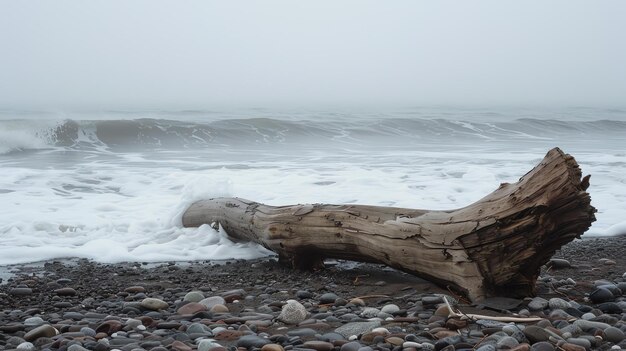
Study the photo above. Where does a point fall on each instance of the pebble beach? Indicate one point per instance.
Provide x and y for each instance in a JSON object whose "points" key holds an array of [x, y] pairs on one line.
{"points": [[252, 305]]}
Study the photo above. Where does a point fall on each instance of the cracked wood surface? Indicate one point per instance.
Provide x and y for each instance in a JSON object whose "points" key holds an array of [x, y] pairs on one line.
{"points": [[493, 247]]}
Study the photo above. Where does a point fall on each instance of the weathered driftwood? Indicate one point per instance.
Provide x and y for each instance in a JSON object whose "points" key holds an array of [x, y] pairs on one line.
{"points": [[493, 247]]}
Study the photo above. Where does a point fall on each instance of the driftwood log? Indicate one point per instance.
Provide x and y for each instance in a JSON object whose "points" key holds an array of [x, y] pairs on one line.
{"points": [[493, 247]]}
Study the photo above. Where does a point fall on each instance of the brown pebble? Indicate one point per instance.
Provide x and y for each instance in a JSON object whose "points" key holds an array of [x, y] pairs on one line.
{"points": [[521, 347], [109, 327], [369, 337], [442, 311], [146, 320], [395, 341], [318, 345], [456, 323], [191, 308], [228, 335], [219, 308], [272, 347], [357, 302], [180, 346], [45, 330], [135, 289]]}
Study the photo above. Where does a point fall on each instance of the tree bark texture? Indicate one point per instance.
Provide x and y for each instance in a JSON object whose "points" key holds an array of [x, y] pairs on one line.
{"points": [[493, 247]]}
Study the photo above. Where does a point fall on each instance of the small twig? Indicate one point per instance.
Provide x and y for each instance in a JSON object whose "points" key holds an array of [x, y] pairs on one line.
{"points": [[492, 318], [371, 297]]}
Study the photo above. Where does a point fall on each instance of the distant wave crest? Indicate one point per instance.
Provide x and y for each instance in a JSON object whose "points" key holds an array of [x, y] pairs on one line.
{"points": [[137, 134]]}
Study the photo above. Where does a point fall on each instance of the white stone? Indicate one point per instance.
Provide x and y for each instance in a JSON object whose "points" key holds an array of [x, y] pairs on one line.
{"points": [[381, 330], [408, 344], [194, 296], [370, 312], [154, 304], [212, 301], [33, 321], [390, 308], [292, 313], [25, 346], [207, 344], [558, 303]]}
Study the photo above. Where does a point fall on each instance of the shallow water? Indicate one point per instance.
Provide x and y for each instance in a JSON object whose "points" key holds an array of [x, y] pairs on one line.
{"points": [[112, 186]]}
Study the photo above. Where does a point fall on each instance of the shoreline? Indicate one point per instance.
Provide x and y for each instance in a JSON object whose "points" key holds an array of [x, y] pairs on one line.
{"points": [[79, 304]]}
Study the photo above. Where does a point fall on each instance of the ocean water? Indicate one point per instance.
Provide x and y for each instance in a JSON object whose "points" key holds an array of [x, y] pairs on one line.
{"points": [[112, 186]]}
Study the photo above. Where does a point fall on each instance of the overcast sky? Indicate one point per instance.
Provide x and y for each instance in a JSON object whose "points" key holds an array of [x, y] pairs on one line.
{"points": [[201, 54]]}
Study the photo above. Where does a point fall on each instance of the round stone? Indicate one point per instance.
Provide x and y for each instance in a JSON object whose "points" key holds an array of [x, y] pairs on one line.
{"points": [[507, 342], [191, 308], [219, 308], [318, 345], [542, 346], [536, 334], [614, 335], [350, 346], [206, 345], [45, 330], [586, 325], [293, 312], [109, 327], [601, 295], [194, 296], [370, 312], [154, 304], [390, 308], [488, 347], [610, 308], [212, 301], [250, 341], [270, 347], [33, 321], [559, 263], [65, 292], [537, 304], [88, 331], [135, 289], [302, 294], [357, 302], [558, 303], [588, 316], [356, 328], [76, 347], [328, 298], [25, 346]]}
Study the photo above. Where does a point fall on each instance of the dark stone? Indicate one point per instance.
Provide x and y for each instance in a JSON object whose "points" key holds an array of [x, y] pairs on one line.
{"points": [[601, 295], [610, 307], [20, 291], [249, 341], [536, 334], [328, 298], [65, 292]]}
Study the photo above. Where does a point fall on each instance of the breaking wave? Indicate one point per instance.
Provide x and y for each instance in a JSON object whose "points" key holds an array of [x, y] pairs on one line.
{"points": [[156, 134]]}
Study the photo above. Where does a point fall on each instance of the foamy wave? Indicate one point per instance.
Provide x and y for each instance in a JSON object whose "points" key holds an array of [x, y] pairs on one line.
{"points": [[160, 134]]}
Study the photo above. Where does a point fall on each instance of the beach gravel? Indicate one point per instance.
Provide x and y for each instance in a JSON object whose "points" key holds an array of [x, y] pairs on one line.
{"points": [[260, 305]]}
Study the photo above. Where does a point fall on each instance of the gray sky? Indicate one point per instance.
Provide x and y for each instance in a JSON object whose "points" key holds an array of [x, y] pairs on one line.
{"points": [[201, 54]]}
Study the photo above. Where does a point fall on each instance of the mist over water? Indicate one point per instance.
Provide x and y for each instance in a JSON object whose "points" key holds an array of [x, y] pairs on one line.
{"points": [[113, 186]]}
